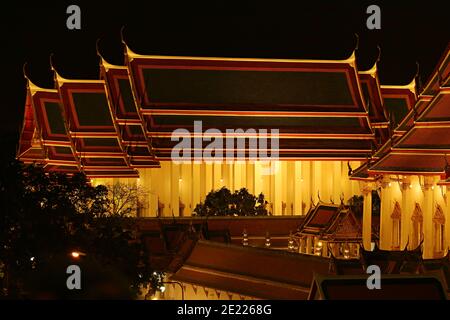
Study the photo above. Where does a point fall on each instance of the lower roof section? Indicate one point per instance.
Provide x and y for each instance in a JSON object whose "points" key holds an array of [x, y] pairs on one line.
{"points": [[257, 272], [410, 163]]}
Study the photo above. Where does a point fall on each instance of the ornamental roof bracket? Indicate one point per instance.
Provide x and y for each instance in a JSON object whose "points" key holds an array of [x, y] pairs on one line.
{"points": [[122, 37], [379, 54], [129, 54], [418, 78], [24, 70], [56, 76]]}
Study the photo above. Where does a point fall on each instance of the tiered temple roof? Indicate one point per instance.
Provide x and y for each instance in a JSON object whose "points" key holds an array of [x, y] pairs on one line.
{"points": [[420, 142], [324, 110]]}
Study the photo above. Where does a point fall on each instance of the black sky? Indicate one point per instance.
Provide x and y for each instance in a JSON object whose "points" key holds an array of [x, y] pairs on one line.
{"points": [[411, 31]]}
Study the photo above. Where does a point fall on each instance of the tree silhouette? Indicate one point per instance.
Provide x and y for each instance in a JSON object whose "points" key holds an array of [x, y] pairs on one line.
{"points": [[46, 216], [224, 203]]}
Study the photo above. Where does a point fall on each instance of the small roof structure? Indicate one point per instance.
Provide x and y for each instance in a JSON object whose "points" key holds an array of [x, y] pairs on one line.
{"points": [[331, 222]]}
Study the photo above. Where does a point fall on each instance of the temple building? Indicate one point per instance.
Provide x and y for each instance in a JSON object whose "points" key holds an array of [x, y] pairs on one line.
{"points": [[340, 134]]}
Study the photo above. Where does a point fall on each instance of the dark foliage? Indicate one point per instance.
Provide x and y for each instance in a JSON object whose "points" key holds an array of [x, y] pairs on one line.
{"points": [[357, 204], [44, 217], [224, 203]]}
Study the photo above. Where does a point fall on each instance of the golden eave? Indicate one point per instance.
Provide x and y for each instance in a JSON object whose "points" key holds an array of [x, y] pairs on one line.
{"points": [[410, 86], [372, 71], [132, 55], [35, 88], [61, 80], [106, 65]]}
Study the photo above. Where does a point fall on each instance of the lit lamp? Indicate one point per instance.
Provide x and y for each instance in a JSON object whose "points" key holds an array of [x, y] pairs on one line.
{"points": [[346, 251], [319, 248], [267, 244], [245, 238], [291, 246], [76, 254]]}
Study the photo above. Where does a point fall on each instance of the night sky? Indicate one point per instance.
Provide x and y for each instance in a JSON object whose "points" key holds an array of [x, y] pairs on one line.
{"points": [[410, 31]]}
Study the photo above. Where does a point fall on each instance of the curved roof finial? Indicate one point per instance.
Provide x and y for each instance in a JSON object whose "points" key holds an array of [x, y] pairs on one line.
{"points": [[357, 42], [122, 37], [51, 60], [97, 47], [417, 70], [417, 78], [24, 70], [379, 54]]}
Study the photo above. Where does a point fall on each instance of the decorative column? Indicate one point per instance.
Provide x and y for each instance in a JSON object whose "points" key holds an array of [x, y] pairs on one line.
{"points": [[217, 175], [250, 176], [174, 190], [298, 190], [308, 244], [366, 190], [346, 183], [325, 249], [165, 190], [326, 185], [306, 185], [186, 188], [447, 218], [237, 175], [386, 211], [317, 181], [285, 179], [196, 194], [277, 189], [301, 245], [228, 175], [407, 209], [428, 210], [208, 178], [257, 179], [337, 182]]}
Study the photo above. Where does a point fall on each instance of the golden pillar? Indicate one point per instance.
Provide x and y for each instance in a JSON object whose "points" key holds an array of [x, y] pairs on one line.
{"points": [[237, 175], [208, 178], [337, 181], [277, 188], [257, 178], [447, 218], [407, 209], [306, 185], [428, 211], [308, 244], [165, 193], [317, 181], [386, 226], [250, 176], [196, 198], [367, 188], [175, 190], [217, 175], [298, 188]]}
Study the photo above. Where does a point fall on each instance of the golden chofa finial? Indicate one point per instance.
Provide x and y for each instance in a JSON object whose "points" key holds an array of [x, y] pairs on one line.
{"points": [[357, 42], [32, 87], [57, 78], [122, 37]]}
